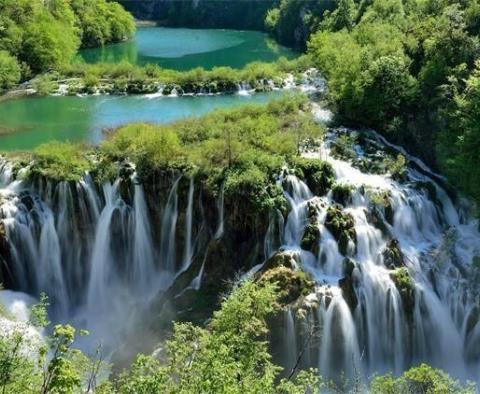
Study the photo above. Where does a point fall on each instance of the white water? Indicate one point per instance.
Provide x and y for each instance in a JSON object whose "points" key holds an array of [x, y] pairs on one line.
{"points": [[92, 251], [438, 241]]}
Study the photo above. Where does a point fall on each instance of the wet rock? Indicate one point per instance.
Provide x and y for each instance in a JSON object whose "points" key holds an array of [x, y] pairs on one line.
{"points": [[311, 239], [317, 174], [280, 259], [406, 287], [342, 227], [292, 284], [393, 256], [342, 193], [347, 284], [376, 218]]}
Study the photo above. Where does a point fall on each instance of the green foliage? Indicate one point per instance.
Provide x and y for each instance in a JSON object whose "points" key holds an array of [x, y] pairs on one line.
{"points": [[422, 379], [42, 35], [229, 356], [343, 17], [61, 161], [44, 85], [101, 22], [38, 312], [127, 78], [460, 141], [407, 69], [9, 71], [292, 21], [242, 148], [398, 167]]}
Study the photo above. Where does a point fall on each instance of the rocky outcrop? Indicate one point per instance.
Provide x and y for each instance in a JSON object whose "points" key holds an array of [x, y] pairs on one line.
{"points": [[347, 284], [393, 256], [406, 287], [342, 227], [293, 283]]}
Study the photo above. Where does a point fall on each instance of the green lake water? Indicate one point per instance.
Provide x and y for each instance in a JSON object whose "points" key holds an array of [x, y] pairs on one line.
{"points": [[184, 49], [33, 121]]}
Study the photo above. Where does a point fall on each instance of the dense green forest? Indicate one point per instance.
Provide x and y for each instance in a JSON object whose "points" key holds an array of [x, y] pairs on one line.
{"points": [[38, 36], [231, 14]]}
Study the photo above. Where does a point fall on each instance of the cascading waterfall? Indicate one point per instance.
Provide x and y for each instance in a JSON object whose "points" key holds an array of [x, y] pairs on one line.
{"points": [[381, 332], [92, 250]]}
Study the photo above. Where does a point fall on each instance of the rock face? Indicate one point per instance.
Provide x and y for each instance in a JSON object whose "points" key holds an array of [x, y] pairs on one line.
{"points": [[311, 238], [347, 284], [406, 287], [393, 256]]}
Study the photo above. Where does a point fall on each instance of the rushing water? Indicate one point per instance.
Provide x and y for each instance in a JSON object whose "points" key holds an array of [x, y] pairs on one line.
{"points": [[184, 49], [380, 334], [102, 257], [30, 122]]}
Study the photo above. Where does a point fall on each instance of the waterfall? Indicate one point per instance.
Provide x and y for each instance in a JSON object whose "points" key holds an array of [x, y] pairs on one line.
{"points": [[188, 253], [90, 248], [221, 213], [382, 332], [169, 223], [102, 253]]}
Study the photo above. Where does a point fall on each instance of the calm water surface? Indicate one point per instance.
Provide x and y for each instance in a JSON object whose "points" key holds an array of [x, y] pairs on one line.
{"points": [[184, 49], [33, 121]]}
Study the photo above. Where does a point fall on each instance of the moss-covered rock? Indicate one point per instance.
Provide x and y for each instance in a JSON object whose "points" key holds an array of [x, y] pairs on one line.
{"points": [[311, 238], [292, 284], [280, 259], [317, 174], [382, 200], [406, 287], [342, 193], [347, 284], [342, 227], [393, 256]]}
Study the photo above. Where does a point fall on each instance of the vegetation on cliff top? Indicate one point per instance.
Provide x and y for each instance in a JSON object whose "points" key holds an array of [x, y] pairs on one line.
{"points": [[242, 149], [126, 78]]}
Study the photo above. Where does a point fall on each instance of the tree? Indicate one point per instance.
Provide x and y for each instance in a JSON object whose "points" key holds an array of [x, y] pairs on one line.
{"points": [[229, 356], [9, 71]]}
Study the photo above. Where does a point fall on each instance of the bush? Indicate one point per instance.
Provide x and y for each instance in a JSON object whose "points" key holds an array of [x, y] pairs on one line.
{"points": [[422, 379], [61, 161]]}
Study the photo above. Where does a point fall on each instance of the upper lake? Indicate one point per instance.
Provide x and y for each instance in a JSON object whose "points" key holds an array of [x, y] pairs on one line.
{"points": [[184, 49]]}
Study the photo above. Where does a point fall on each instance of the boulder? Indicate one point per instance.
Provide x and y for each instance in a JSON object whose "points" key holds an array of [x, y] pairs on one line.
{"points": [[393, 256]]}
